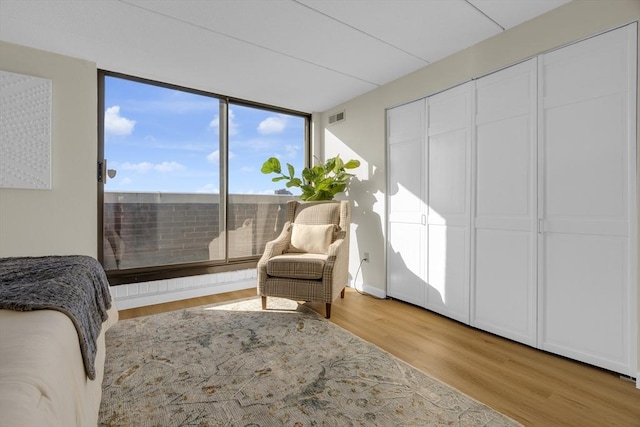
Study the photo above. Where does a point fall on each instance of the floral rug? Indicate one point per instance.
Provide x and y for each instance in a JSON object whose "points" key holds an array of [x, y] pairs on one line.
{"points": [[236, 365]]}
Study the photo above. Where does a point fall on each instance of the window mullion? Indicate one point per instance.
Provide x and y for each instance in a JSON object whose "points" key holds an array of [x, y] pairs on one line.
{"points": [[224, 173]]}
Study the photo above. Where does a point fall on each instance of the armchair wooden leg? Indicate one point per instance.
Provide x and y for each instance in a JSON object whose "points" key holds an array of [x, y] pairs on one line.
{"points": [[342, 293], [328, 310], [264, 303]]}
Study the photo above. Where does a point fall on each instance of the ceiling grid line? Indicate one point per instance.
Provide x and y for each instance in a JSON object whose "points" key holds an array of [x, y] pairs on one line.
{"points": [[484, 14], [426, 62]]}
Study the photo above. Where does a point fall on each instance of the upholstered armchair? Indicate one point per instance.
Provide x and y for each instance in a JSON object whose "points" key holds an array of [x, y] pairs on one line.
{"points": [[309, 261]]}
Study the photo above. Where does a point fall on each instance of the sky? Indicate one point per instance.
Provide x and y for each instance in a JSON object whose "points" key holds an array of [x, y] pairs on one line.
{"points": [[165, 140]]}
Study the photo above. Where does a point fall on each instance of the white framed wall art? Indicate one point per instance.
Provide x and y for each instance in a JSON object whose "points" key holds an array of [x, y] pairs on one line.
{"points": [[25, 131]]}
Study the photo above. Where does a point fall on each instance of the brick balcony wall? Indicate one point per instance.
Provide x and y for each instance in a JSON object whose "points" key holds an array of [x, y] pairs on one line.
{"points": [[148, 229]]}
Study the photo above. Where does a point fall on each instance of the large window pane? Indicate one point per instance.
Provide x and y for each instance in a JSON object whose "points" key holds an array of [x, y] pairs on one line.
{"points": [[161, 202], [184, 184], [256, 210]]}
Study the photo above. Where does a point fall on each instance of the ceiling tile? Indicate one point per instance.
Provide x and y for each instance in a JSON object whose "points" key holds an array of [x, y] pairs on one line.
{"points": [[429, 29], [289, 28], [306, 55]]}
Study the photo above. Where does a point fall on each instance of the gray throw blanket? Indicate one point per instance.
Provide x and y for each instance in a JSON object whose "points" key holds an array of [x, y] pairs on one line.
{"points": [[74, 285]]}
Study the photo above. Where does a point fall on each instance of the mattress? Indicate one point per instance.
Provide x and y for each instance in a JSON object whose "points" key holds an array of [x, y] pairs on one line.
{"points": [[42, 377]]}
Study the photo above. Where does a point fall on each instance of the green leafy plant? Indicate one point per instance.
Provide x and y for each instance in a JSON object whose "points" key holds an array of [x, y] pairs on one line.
{"points": [[320, 182]]}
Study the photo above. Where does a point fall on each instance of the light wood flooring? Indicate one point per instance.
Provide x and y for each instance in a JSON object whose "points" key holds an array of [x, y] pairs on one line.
{"points": [[531, 386]]}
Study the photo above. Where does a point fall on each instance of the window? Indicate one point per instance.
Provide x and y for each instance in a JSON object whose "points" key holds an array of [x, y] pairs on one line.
{"points": [[257, 211], [183, 192]]}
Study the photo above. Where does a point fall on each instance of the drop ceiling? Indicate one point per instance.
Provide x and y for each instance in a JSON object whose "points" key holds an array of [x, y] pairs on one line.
{"points": [[304, 55]]}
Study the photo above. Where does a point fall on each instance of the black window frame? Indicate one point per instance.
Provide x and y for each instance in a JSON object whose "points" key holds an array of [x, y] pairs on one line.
{"points": [[160, 272]]}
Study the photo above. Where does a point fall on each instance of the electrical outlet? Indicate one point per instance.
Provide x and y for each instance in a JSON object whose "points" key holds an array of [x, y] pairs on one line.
{"points": [[365, 258]]}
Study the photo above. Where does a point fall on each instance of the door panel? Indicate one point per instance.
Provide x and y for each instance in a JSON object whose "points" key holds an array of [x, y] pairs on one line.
{"points": [[586, 70], [586, 295], [448, 290], [448, 175], [504, 285], [406, 250], [405, 192], [588, 201], [406, 122], [586, 160], [504, 186], [448, 219], [449, 110], [405, 260]]}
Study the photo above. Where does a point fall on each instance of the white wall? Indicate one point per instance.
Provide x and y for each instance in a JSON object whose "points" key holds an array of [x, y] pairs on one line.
{"points": [[63, 220], [362, 134]]}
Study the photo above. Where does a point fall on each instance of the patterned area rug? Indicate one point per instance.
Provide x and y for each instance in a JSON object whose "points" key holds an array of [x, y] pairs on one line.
{"points": [[236, 365]]}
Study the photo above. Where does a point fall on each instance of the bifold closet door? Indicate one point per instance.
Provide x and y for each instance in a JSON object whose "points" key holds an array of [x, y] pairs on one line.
{"points": [[504, 284], [406, 207], [588, 240], [448, 218]]}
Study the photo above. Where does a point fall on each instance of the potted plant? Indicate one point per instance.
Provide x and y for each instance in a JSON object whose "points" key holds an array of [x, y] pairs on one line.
{"points": [[320, 182]]}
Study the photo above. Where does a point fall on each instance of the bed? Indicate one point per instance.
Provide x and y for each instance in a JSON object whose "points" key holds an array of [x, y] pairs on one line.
{"points": [[54, 312]]}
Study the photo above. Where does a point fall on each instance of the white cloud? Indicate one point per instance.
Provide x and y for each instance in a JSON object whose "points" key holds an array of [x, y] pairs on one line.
{"points": [[165, 167], [274, 124], [292, 150], [141, 167], [115, 124], [290, 154], [208, 188], [144, 167], [214, 157], [233, 125], [124, 182], [247, 169]]}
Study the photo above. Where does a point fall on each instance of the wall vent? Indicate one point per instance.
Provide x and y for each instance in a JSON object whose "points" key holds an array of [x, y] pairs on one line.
{"points": [[336, 118]]}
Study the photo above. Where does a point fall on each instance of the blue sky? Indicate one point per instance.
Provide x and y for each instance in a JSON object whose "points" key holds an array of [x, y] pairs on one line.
{"points": [[164, 140]]}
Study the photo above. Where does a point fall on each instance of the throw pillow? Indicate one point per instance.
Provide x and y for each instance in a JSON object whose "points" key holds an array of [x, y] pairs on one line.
{"points": [[311, 238]]}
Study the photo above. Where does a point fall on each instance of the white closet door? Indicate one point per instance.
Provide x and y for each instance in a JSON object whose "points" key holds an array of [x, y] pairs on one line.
{"points": [[448, 218], [588, 245], [406, 207], [504, 284]]}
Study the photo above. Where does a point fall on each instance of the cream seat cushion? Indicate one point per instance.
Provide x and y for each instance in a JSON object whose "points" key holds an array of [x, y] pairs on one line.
{"points": [[297, 266]]}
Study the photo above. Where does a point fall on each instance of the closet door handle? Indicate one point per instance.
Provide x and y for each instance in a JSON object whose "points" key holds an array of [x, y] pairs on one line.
{"points": [[540, 226]]}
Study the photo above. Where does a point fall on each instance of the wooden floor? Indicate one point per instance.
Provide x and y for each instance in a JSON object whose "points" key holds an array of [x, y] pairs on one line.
{"points": [[531, 386]]}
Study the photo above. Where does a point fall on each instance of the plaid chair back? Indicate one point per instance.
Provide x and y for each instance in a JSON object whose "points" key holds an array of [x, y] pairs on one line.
{"points": [[317, 213]]}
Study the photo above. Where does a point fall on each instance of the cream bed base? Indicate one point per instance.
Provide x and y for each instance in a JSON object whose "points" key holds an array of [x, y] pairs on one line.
{"points": [[42, 376]]}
